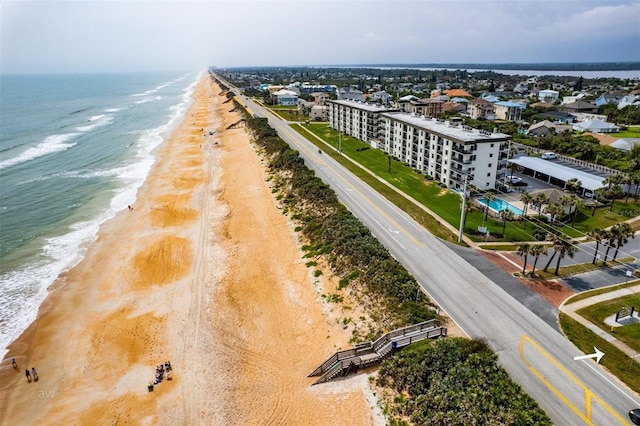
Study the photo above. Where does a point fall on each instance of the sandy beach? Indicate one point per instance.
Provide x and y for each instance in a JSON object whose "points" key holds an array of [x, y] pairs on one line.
{"points": [[206, 272]]}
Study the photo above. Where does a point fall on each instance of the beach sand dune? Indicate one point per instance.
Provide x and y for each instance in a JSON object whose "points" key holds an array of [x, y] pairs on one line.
{"points": [[206, 272]]}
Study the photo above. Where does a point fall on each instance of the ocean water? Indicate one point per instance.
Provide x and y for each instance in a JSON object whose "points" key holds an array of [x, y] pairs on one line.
{"points": [[74, 149]]}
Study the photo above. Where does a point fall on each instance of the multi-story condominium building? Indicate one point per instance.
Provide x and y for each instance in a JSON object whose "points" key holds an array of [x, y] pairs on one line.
{"points": [[445, 151], [356, 119]]}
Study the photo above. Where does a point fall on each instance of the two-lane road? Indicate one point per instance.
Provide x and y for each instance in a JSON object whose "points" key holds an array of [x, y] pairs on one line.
{"points": [[537, 357]]}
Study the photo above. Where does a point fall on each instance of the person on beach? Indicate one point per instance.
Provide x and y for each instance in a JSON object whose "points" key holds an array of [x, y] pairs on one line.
{"points": [[26, 372], [14, 364], [34, 373]]}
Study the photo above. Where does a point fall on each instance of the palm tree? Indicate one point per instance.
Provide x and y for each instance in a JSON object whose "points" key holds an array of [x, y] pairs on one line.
{"points": [[614, 193], [635, 180], [505, 215], [554, 210], [623, 233], [573, 184], [468, 208], [512, 167], [556, 242], [564, 200], [536, 250], [575, 203], [612, 180], [526, 199], [489, 197], [597, 235], [539, 201], [524, 250], [611, 238], [565, 248], [627, 180]]}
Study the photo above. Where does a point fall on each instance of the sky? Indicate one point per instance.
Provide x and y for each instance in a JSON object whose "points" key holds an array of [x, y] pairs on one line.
{"points": [[138, 35]]}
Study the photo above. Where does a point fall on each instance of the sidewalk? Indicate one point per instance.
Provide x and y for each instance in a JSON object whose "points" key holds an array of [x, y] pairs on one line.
{"points": [[573, 307]]}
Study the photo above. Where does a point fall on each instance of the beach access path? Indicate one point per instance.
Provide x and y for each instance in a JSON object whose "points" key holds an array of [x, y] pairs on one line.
{"points": [[206, 272]]}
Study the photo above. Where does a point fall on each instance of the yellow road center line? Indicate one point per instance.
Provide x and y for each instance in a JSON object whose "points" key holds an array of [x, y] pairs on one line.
{"points": [[588, 393], [382, 212]]}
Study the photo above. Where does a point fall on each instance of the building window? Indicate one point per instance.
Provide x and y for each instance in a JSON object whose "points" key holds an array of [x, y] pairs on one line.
{"points": [[490, 155], [491, 145], [488, 174]]}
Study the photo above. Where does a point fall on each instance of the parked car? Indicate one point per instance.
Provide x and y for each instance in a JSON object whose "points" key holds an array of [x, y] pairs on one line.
{"points": [[634, 415], [513, 179], [549, 156]]}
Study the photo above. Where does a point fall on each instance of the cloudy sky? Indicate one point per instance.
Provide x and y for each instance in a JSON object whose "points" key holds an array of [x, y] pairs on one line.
{"points": [[140, 35]]}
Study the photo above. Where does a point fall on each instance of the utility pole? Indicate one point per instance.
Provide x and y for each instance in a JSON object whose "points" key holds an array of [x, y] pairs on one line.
{"points": [[464, 206]]}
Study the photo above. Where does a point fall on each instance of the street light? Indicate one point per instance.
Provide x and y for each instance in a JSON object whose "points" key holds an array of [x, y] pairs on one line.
{"points": [[464, 206]]}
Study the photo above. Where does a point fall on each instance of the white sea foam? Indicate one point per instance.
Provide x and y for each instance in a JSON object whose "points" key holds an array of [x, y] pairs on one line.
{"points": [[51, 144], [115, 109], [101, 120], [96, 117], [27, 288]]}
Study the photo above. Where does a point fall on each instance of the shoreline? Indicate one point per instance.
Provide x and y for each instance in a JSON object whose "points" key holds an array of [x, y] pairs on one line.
{"points": [[205, 272]]}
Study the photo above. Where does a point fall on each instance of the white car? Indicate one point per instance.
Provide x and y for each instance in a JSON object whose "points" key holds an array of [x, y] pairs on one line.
{"points": [[549, 156], [513, 179]]}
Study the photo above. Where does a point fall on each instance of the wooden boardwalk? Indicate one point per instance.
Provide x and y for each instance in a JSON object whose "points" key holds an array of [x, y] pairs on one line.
{"points": [[367, 354]]}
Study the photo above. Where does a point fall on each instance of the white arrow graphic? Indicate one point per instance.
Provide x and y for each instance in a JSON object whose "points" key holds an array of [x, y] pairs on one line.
{"points": [[598, 355]]}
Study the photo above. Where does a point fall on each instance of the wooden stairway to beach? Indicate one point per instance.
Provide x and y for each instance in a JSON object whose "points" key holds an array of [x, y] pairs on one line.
{"points": [[367, 354]]}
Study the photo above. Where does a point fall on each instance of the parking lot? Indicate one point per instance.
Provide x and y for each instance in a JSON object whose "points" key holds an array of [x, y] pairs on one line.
{"points": [[527, 183]]}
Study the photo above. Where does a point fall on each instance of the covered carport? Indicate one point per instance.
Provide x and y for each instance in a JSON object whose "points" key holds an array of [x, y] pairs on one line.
{"points": [[558, 174]]}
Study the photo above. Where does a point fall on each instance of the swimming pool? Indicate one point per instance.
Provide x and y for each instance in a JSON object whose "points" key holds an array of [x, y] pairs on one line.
{"points": [[499, 205]]}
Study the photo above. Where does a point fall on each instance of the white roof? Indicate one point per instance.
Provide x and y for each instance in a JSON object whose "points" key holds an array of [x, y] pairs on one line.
{"points": [[446, 128], [625, 144], [285, 92], [595, 125], [558, 171]]}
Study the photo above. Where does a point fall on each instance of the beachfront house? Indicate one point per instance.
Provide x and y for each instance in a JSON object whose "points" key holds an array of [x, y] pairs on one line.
{"points": [[546, 127], [479, 108], [548, 95], [285, 97], [581, 106], [596, 126], [509, 111]]}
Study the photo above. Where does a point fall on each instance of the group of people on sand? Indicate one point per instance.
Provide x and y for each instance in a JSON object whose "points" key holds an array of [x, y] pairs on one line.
{"points": [[162, 371], [30, 374]]}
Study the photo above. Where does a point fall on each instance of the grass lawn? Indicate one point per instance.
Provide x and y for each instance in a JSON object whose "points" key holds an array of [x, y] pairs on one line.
{"points": [[629, 334], [597, 291], [565, 271], [632, 132], [606, 216], [290, 114], [618, 363], [409, 178], [447, 204]]}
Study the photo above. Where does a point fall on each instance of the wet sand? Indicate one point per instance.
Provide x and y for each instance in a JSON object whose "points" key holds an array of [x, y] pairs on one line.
{"points": [[206, 272]]}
